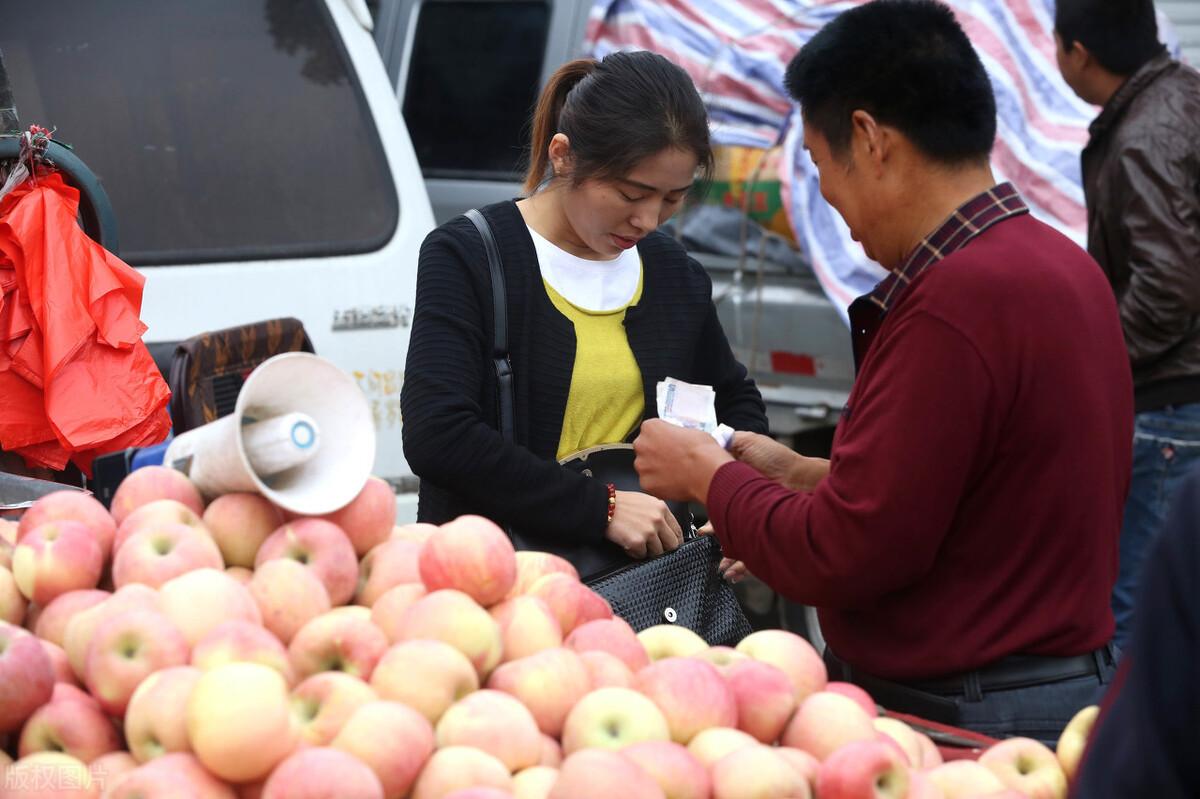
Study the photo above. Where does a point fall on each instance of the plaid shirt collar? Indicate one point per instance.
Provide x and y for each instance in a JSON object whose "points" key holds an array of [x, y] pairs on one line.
{"points": [[968, 221]]}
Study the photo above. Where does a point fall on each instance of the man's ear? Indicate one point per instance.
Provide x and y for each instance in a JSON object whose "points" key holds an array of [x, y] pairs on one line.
{"points": [[1079, 56], [872, 142]]}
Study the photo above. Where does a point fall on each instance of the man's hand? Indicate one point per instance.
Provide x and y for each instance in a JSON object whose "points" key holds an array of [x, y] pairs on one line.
{"points": [[732, 570], [777, 462], [676, 463]]}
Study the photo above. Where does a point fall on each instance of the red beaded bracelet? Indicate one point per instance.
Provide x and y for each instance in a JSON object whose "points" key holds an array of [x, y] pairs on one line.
{"points": [[612, 501]]}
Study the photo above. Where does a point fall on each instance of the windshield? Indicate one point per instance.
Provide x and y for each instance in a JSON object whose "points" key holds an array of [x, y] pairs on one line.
{"points": [[222, 130]]}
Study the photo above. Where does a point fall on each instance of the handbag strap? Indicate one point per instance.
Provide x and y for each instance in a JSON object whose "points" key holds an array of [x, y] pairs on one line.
{"points": [[500, 359]]}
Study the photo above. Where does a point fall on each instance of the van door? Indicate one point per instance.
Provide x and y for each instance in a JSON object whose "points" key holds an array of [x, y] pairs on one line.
{"points": [[467, 75], [257, 164]]}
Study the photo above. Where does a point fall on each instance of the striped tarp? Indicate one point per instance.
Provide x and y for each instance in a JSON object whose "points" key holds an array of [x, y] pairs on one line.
{"points": [[737, 52]]}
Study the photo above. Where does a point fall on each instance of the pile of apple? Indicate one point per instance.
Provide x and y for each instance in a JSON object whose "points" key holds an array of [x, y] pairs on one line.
{"points": [[170, 649]]}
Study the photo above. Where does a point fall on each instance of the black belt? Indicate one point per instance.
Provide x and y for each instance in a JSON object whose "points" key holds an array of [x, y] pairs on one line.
{"points": [[927, 698], [1021, 671]]}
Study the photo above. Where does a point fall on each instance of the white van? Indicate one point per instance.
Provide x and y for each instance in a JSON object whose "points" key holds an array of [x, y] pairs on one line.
{"points": [[257, 163]]}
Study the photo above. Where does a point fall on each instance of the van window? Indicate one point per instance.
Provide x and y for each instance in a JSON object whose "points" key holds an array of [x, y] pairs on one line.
{"points": [[222, 130], [472, 84]]}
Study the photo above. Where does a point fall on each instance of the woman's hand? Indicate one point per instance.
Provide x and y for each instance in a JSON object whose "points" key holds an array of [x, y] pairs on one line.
{"points": [[777, 462], [643, 526]]}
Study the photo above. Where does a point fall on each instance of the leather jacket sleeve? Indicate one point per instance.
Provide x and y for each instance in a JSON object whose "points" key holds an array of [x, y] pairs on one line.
{"points": [[1161, 217]]}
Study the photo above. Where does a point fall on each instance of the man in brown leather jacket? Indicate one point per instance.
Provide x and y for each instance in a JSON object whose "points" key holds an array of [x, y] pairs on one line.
{"points": [[1141, 178]]}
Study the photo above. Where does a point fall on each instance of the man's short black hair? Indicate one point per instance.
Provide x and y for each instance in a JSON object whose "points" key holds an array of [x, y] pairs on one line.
{"points": [[1121, 34], [909, 64]]}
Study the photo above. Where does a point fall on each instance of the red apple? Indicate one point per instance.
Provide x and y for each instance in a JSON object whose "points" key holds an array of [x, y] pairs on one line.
{"points": [[289, 595], [199, 601], [963, 779], [239, 721], [673, 767], [526, 626], [764, 696], [552, 754], [391, 563], [612, 718], [75, 506], [572, 602], [52, 621], [12, 602], [81, 628], [904, 736], [1028, 766], [369, 518], [107, 769], [472, 555], [149, 483], [391, 738], [322, 773], [428, 676], [323, 703], [691, 694], [55, 558], [1074, 738], [825, 722], [599, 774], [757, 772], [856, 693], [389, 608], [459, 767], [338, 641], [790, 653], [79, 729], [46, 775], [126, 649], [549, 683], [668, 641], [863, 770], [710, 745], [156, 716], [173, 775], [722, 657], [614, 636], [322, 547], [156, 514], [239, 523], [62, 665], [493, 722], [534, 783], [607, 671], [452, 616], [240, 641], [156, 554], [418, 531], [26, 676], [802, 761], [533, 565]]}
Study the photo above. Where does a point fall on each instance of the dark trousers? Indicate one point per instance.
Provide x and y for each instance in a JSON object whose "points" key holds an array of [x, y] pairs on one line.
{"points": [[1033, 697]]}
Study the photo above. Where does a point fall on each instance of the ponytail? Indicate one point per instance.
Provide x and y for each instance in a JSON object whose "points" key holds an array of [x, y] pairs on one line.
{"points": [[616, 112], [546, 116]]}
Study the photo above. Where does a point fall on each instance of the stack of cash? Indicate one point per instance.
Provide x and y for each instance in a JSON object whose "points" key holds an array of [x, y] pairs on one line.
{"points": [[692, 406]]}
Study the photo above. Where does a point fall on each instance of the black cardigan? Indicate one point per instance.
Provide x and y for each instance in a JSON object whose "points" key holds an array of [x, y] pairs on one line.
{"points": [[449, 401]]}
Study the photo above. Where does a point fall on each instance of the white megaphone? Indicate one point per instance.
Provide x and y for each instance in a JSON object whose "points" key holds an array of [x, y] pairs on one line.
{"points": [[301, 434]]}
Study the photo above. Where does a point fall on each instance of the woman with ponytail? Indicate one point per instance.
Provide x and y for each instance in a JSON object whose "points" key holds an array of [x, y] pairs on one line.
{"points": [[600, 308]]}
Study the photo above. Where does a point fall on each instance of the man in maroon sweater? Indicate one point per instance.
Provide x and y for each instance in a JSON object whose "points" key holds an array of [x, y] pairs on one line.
{"points": [[961, 544]]}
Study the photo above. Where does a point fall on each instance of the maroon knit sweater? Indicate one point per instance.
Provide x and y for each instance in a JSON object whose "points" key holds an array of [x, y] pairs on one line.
{"points": [[978, 475]]}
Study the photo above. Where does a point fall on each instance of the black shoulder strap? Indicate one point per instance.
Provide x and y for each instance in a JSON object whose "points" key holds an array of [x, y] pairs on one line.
{"points": [[504, 373]]}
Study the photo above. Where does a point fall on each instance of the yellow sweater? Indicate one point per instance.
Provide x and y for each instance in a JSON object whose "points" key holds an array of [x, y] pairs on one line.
{"points": [[605, 402]]}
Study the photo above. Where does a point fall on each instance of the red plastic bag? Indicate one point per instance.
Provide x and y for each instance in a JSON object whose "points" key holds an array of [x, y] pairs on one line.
{"points": [[75, 378]]}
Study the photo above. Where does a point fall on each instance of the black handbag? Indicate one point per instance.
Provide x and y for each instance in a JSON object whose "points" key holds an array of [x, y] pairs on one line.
{"points": [[681, 587]]}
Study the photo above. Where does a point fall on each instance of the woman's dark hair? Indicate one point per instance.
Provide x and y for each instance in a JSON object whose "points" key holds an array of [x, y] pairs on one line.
{"points": [[1121, 34], [616, 112], [909, 64]]}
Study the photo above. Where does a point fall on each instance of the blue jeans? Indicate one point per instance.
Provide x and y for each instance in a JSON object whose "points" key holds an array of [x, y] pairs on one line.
{"points": [[1039, 711], [1166, 444]]}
